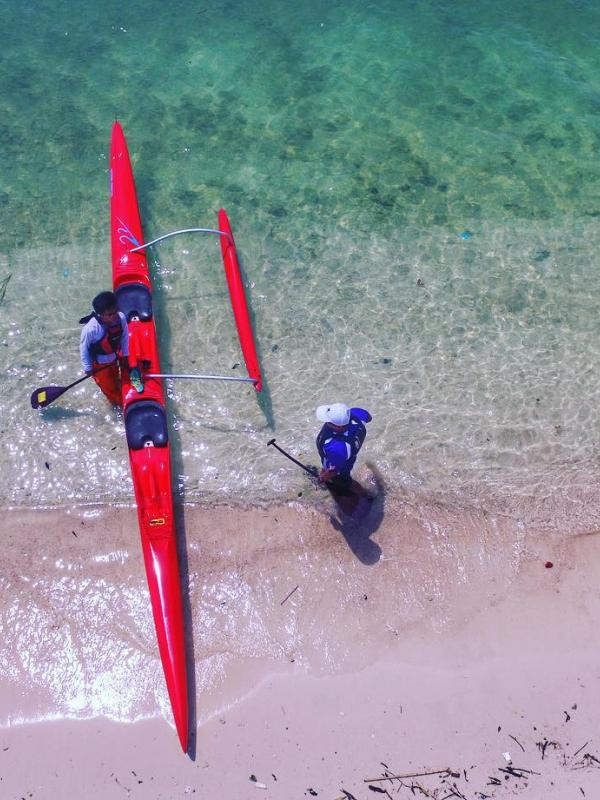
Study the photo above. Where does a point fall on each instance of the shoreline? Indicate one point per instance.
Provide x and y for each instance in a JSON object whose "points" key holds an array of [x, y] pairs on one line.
{"points": [[519, 677], [402, 640]]}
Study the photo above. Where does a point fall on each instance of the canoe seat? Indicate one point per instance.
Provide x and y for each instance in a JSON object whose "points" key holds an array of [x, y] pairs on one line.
{"points": [[134, 300], [145, 421]]}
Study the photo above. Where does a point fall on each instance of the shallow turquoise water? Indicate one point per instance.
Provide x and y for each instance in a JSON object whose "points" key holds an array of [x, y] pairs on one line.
{"points": [[352, 146]]}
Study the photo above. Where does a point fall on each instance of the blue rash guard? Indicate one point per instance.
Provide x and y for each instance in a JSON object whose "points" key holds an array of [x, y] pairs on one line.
{"points": [[338, 449]]}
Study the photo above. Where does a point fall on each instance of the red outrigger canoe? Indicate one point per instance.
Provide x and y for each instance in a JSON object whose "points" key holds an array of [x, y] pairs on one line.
{"points": [[145, 418], [147, 433]]}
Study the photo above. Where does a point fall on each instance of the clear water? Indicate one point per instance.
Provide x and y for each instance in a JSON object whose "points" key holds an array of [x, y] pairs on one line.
{"points": [[413, 188]]}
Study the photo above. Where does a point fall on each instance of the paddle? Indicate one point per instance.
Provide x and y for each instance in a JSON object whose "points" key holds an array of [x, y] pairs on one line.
{"points": [[352, 493], [45, 395], [311, 470]]}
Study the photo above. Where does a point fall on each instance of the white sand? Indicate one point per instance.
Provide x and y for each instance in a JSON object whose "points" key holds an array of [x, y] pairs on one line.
{"points": [[500, 647]]}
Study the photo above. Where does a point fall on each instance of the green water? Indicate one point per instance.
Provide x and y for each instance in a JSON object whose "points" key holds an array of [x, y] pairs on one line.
{"points": [[352, 145], [378, 115]]}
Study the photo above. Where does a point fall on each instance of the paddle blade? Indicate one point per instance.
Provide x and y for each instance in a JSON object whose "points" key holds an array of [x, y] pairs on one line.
{"points": [[45, 395]]}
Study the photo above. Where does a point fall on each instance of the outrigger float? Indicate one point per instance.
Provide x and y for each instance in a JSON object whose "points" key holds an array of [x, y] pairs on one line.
{"points": [[144, 411]]}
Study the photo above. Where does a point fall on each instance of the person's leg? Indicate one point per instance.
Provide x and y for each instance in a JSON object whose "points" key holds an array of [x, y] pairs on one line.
{"points": [[341, 484], [109, 381]]}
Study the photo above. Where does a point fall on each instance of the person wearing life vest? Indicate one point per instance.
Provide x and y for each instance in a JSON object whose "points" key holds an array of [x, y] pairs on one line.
{"points": [[339, 441], [105, 340]]}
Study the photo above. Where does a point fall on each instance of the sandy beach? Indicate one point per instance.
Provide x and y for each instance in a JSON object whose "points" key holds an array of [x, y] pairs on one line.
{"points": [[391, 646]]}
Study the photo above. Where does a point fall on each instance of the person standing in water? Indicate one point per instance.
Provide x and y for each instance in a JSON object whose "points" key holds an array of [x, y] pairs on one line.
{"points": [[339, 441], [105, 340]]}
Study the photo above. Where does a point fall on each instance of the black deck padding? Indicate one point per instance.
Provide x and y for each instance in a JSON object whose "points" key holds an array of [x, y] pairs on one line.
{"points": [[145, 421], [134, 300]]}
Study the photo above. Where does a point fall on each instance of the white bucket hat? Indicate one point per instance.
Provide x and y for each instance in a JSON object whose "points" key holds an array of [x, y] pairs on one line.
{"points": [[335, 413]]}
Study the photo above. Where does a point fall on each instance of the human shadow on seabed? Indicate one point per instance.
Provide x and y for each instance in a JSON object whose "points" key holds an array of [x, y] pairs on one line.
{"points": [[359, 515]]}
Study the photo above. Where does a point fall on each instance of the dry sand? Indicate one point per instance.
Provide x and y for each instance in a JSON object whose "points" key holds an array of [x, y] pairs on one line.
{"points": [[423, 639]]}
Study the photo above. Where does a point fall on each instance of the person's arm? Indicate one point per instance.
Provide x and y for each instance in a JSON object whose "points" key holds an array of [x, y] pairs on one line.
{"points": [[84, 350], [360, 414], [326, 474], [124, 335], [337, 455], [124, 348]]}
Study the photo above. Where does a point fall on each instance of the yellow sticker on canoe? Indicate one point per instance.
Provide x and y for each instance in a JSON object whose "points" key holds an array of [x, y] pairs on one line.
{"points": [[157, 521], [41, 397]]}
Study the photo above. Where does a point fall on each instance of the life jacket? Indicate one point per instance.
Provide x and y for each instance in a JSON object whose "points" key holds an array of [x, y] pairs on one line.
{"points": [[109, 343], [353, 437]]}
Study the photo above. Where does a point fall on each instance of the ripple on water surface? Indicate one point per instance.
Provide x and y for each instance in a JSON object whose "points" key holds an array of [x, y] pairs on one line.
{"points": [[474, 356]]}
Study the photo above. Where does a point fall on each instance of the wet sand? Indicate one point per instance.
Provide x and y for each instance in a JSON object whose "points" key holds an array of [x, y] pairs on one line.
{"points": [[408, 640]]}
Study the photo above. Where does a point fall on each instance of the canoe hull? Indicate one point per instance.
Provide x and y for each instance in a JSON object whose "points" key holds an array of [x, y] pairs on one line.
{"points": [[147, 433]]}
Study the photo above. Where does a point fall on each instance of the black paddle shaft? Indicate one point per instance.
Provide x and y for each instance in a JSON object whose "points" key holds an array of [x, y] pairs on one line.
{"points": [[52, 393], [311, 470]]}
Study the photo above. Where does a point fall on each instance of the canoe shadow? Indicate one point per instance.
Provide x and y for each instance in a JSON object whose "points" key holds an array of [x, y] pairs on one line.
{"points": [[57, 413], [359, 515], [163, 324], [221, 429], [179, 514], [184, 580]]}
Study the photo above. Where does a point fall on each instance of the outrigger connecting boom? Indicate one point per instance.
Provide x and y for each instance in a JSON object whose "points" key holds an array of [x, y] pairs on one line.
{"points": [[237, 297]]}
